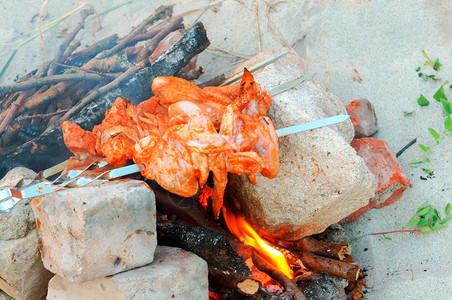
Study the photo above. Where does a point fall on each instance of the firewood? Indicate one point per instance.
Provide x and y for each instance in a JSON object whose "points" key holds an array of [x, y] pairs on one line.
{"points": [[13, 110], [152, 44], [214, 81], [49, 80], [210, 245], [161, 13], [330, 266], [51, 148], [81, 57], [69, 37], [337, 251], [282, 279], [232, 280]]}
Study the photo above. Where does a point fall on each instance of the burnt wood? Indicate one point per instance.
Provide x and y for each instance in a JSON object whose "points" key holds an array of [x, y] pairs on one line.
{"points": [[212, 246]]}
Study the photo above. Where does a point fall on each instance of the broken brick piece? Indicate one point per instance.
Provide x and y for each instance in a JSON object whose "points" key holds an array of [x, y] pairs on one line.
{"points": [[390, 177], [362, 115]]}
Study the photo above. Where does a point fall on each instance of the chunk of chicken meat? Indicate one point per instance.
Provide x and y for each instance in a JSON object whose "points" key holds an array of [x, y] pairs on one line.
{"points": [[252, 133], [171, 168]]}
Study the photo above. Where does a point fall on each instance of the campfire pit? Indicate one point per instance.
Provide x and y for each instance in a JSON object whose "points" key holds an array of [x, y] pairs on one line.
{"points": [[235, 262]]}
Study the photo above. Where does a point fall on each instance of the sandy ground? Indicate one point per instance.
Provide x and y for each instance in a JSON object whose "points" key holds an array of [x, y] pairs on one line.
{"points": [[382, 40]]}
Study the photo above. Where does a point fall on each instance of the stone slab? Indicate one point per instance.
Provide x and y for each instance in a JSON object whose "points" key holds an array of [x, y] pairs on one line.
{"points": [[321, 179], [174, 274], [96, 230], [22, 274]]}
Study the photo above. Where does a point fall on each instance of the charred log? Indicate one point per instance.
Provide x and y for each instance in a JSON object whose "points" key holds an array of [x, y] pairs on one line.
{"points": [[233, 280], [212, 246]]}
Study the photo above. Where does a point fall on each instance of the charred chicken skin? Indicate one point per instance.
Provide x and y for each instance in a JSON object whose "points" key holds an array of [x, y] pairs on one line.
{"points": [[184, 132]]}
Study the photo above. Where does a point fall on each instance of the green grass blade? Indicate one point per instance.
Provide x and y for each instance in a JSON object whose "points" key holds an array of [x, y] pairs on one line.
{"points": [[5, 67]]}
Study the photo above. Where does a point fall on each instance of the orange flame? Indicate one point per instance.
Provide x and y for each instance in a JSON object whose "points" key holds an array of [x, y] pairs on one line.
{"points": [[204, 197], [243, 230]]}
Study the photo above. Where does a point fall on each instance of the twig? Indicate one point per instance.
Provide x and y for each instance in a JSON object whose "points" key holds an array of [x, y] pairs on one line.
{"points": [[95, 48], [49, 80], [109, 75], [160, 13], [406, 147], [71, 48], [13, 110], [68, 39], [395, 231], [282, 279], [42, 115], [96, 93], [152, 44], [330, 266], [337, 251]]}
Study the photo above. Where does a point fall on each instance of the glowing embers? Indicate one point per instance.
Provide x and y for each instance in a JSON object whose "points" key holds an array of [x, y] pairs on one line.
{"points": [[243, 230]]}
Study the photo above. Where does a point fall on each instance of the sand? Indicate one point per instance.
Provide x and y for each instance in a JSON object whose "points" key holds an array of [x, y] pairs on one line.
{"points": [[382, 40]]}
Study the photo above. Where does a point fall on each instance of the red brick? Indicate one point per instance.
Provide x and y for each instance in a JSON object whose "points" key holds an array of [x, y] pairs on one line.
{"points": [[390, 177], [362, 115]]}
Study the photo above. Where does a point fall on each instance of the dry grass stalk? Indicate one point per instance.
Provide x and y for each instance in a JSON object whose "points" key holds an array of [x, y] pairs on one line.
{"points": [[214, 48], [256, 11]]}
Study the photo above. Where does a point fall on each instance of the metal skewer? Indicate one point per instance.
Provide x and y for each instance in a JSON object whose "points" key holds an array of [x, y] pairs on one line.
{"points": [[74, 178]]}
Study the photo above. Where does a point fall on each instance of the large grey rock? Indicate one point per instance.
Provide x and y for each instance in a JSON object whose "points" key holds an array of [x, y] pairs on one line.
{"points": [[321, 179], [18, 221], [22, 275], [97, 230], [174, 274]]}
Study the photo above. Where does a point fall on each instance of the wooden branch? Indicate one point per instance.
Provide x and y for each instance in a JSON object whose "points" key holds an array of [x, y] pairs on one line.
{"points": [[80, 57], [192, 74], [337, 251], [282, 279], [186, 50], [42, 115], [96, 93], [42, 98], [152, 44], [49, 80], [161, 13], [71, 48], [330, 266], [13, 110], [69, 37], [214, 81], [243, 284]]}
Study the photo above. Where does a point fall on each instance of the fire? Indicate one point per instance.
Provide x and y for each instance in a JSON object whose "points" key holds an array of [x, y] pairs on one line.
{"points": [[204, 197], [243, 230]]}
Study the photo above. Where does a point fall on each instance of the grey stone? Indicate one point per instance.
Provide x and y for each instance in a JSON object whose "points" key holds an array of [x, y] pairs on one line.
{"points": [[18, 221], [97, 230], [5, 296], [22, 274], [174, 274], [321, 179]]}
